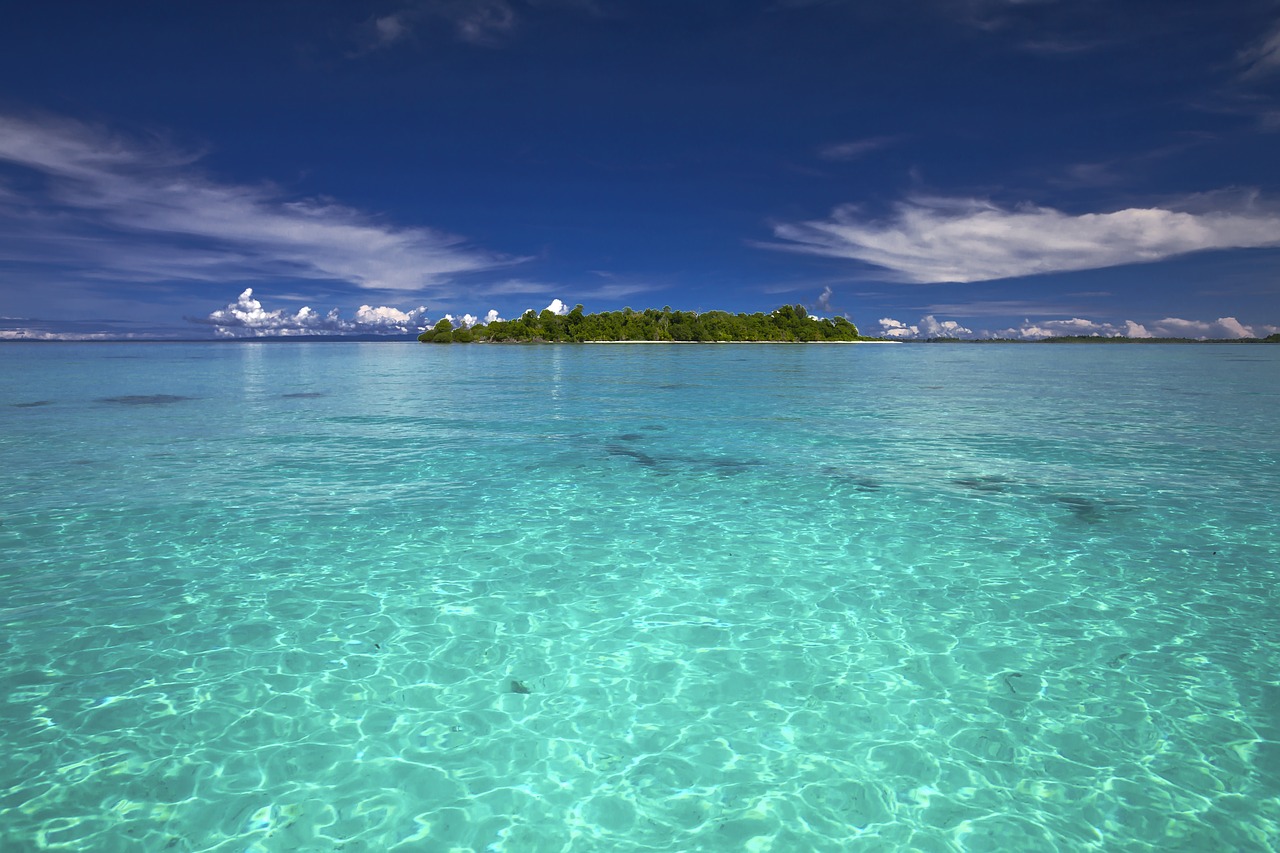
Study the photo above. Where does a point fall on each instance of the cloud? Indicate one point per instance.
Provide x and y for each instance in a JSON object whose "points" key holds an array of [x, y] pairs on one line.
{"points": [[487, 23], [390, 29], [1224, 328], [929, 327], [247, 318], [856, 148], [482, 22], [962, 240], [492, 317], [138, 209], [513, 286], [891, 328], [1073, 326], [15, 329], [466, 321], [823, 302], [1170, 327], [557, 307], [1261, 58]]}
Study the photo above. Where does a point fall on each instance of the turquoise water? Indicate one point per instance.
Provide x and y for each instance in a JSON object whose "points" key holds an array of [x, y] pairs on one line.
{"points": [[261, 597]]}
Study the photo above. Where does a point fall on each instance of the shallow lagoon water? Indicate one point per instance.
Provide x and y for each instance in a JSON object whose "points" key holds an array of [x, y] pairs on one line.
{"points": [[368, 597]]}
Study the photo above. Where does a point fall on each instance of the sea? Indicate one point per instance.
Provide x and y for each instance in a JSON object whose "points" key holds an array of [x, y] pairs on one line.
{"points": [[400, 597]]}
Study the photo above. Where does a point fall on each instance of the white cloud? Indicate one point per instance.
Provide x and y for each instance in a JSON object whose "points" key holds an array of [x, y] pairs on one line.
{"points": [[928, 327], [1136, 330], [937, 240], [514, 286], [1224, 328], [466, 321], [44, 335], [1060, 328], [945, 329], [139, 210], [557, 307], [891, 328], [247, 318], [823, 302], [492, 317], [1170, 327]]}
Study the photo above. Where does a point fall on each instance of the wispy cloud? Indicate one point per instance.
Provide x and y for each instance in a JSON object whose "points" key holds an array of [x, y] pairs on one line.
{"points": [[823, 302], [34, 329], [962, 240], [1261, 58], [140, 209], [390, 29], [514, 286], [487, 23], [853, 149], [482, 22]]}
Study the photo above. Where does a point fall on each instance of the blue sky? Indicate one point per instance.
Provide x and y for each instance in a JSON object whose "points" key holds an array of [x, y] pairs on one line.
{"points": [[969, 167]]}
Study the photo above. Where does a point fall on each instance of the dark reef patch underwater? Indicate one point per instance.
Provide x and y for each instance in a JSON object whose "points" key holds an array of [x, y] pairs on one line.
{"points": [[145, 399]]}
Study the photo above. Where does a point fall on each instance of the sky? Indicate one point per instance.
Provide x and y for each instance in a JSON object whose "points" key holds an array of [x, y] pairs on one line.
{"points": [[968, 168]]}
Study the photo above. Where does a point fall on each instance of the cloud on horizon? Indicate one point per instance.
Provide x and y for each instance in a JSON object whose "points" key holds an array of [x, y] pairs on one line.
{"points": [[931, 240], [1224, 328], [246, 318], [139, 209]]}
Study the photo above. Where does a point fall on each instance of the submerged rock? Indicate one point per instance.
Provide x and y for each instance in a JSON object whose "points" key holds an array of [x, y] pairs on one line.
{"points": [[983, 484], [1084, 509]]}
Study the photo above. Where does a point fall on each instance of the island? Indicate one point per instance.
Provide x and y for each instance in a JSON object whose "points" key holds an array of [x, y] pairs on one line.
{"points": [[788, 324]]}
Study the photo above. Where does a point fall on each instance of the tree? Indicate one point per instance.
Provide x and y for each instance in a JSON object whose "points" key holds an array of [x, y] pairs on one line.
{"points": [[443, 332]]}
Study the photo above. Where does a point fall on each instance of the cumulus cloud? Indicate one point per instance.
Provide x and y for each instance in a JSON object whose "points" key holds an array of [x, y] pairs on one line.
{"points": [[135, 209], [961, 240], [928, 327], [1224, 328], [891, 328], [247, 318], [466, 321], [492, 317], [557, 307]]}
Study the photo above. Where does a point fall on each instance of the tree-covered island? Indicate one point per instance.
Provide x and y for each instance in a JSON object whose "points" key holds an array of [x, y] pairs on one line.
{"points": [[788, 324]]}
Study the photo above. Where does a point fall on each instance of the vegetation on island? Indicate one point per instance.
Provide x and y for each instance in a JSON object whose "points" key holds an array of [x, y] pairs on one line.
{"points": [[790, 324]]}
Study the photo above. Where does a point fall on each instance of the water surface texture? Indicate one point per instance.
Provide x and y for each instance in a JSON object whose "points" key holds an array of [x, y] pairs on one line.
{"points": [[396, 597]]}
